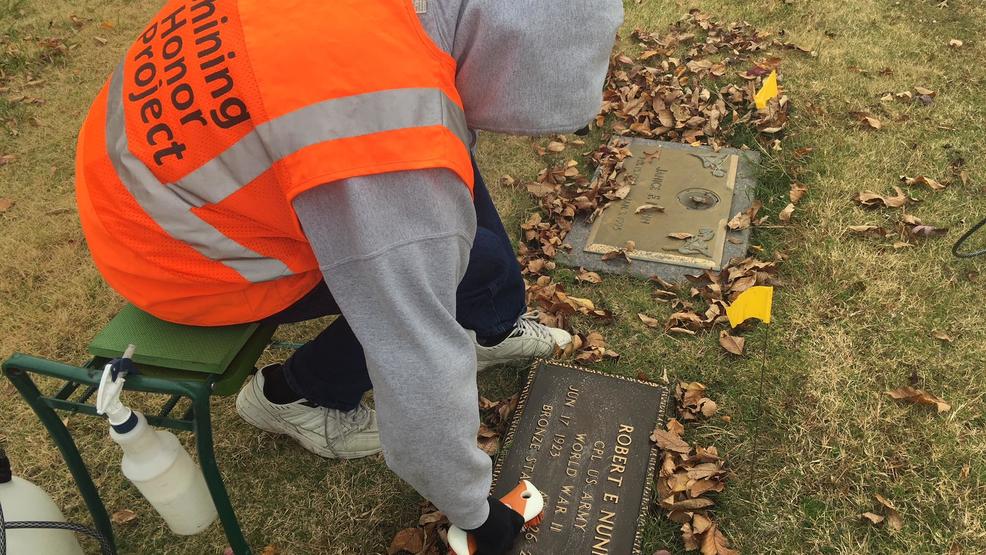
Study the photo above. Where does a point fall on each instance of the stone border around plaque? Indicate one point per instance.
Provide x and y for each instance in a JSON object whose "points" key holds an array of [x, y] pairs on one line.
{"points": [[661, 415], [730, 168]]}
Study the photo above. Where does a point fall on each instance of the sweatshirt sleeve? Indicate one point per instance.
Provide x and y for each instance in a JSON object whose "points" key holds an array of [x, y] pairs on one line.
{"points": [[392, 249]]}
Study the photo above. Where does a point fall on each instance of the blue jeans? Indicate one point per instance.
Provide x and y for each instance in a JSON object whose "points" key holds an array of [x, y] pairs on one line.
{"points": [[330, 370]]}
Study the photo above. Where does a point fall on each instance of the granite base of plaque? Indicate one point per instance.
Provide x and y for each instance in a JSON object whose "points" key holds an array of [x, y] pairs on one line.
{"points": [[699, 189], [583, 439]]}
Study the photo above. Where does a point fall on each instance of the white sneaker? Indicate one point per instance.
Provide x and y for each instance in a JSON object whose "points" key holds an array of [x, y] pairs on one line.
{"points": [[530, 339], [326, 432]]}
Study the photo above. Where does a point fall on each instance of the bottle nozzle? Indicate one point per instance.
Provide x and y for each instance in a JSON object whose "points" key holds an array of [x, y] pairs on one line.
{"points": [[111, 385]]}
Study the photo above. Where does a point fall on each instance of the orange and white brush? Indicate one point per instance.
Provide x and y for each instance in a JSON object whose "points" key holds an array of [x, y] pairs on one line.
{"points": [[525, 500]]}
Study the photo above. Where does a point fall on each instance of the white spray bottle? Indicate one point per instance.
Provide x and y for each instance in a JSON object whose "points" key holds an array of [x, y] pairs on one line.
{"points": [[22, 501], [153, 460]]}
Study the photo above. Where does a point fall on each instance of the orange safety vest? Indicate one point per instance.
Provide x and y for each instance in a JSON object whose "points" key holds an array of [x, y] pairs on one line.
{"points": [[221, 113]]}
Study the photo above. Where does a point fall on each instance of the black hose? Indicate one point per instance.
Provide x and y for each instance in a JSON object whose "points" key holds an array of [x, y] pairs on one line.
{"points": [[956, 250], [104, 544]]}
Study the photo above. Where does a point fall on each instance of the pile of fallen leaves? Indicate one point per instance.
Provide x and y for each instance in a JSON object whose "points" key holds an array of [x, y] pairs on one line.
{"points": [[495, 421], [669, 90], [563, 194], [708, 297], [688, 475]]}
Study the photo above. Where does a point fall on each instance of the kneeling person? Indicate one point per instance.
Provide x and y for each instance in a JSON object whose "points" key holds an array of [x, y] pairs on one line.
{"points": [[247, 164]]}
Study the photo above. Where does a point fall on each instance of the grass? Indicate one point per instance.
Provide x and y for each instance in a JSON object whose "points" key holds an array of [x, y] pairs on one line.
{"points": [[853, 319]]}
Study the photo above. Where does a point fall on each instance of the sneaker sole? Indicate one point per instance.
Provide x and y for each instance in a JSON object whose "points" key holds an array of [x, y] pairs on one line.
{"points": [[518, 360], [245, 406]]}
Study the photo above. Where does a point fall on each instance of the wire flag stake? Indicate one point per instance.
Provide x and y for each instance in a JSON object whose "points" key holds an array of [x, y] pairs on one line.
{"points": [[755, 302]]}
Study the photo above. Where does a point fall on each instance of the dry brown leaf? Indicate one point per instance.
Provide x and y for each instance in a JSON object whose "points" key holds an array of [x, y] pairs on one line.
{"points": [[649, 321], [431, 518], [926, 231], [5, 204], [700, 523], [555, 146], [692, 504], [715, 543], [739, 221], [732, 344], [884, 501], [868, 121], [670, 441], [894, 522], [688, 537], [700, 487], [919, 397], [941, 336], [785, 215], [896, 201], [797, 192], [123, 516], [648, 208], [588, 277], [411, 540], [617, 254], [269, 550], [539, 190], [923, 180], [872, 517], [688, 319], [910, 219], [488, 440], [870, 199], [6, 159], [955, 43], [710, 407], [680, 235], [662, 283]]}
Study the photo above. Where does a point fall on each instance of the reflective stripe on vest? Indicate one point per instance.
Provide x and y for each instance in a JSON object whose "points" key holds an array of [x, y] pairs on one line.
{"points": [[170, 205]]}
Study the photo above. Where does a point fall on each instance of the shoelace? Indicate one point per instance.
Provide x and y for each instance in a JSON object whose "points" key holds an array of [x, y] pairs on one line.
{"points": [[346, 421], [529, 325]]}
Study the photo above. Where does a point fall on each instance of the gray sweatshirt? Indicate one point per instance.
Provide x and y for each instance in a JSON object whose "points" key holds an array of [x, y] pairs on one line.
{"points": [[393, 247]]}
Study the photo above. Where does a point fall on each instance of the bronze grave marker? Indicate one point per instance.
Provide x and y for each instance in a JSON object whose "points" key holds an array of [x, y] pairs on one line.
{"points": [[583, 439], [699, 189]]}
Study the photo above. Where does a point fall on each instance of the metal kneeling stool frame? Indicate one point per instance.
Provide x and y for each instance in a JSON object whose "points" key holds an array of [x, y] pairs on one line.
{"points": [[79, 387]]}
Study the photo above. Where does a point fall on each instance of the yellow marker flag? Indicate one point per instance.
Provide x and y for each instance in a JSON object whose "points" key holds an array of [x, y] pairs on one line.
{"points": [[767, 91], [755, 302]]}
